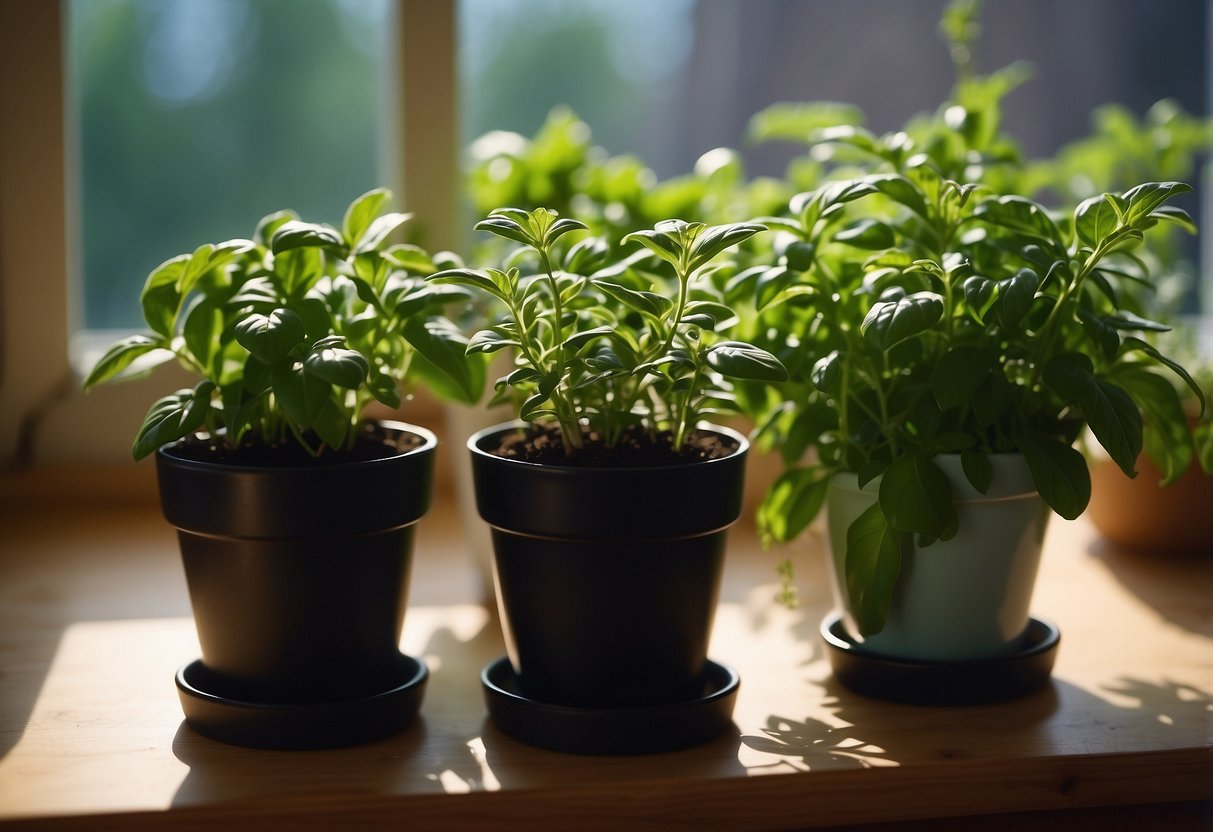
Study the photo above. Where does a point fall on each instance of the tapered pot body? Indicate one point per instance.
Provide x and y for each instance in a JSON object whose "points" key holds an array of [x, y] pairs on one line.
{"points": [[964, 598], [607, 578], [298, 576]]}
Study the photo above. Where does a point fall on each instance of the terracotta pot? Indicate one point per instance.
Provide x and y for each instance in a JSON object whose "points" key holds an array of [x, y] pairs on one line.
{"points": [[1141, 515]]}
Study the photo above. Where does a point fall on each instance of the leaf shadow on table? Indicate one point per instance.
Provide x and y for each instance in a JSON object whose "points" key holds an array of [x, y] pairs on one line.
{"points": [[1177, 587], [851, 731]]}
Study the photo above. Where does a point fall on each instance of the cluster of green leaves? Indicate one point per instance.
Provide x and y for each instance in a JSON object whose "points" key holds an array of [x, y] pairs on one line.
{"points": [[607, 344], [294, 332], [932, 317], [923, 305], [561, 168]]}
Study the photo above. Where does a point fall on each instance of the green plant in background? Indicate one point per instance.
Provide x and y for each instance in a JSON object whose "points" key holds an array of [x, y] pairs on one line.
{"points": [[561, 168], [924, 306], [604, 345], [294, 333]]}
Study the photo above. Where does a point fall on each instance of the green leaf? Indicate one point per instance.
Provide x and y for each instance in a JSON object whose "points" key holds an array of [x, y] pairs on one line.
{"points": [[1024, 216], [1180, 217], [271, 337], [899, 189], [475, 279], [979, 296], [737, 359], [715, 239], [160, 299], [770, 283], [195, 267], [444, 346], [1103, 335], [917, 497], [1108, 410], [202, 329], [489, 341], [379, 230], [533, 408], [361, 212], [872, 565], [1095, 220], [959, 373], [343, 367], [411, 258], [991, 399], [1166, 437], [294, 234], [890, 322], [331, 424], [978, 469], [384, 389], [664, 245], [579, 339], [1060, 474], [423, 372], [172, 418], [1015, 295], [791, 503], [1125, 319], [867, 234], [118, 357], [826, 372], [647, 303], [800, 255], [1148, 197], [301, 394], [1138, 345]]}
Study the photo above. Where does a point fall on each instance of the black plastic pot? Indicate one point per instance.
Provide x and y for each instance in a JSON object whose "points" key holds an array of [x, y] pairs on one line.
{"points": [[298, 576], [607, 578]]}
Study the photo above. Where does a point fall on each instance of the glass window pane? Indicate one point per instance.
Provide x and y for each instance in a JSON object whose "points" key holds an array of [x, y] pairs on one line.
{"points": [[192, 119]]}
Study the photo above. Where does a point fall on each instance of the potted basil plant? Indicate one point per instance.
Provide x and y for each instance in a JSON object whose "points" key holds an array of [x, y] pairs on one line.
{"points": [[948, 346], [295, 513], [609, 498], [949, 340]]}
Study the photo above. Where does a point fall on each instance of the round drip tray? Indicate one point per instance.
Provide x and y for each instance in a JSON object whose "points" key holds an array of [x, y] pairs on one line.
{"points": [[633, 730], [965, 682], [302, 725]]}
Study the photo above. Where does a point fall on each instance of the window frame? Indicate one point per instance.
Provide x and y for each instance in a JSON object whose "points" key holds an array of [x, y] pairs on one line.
{"points": [[44, 417]]}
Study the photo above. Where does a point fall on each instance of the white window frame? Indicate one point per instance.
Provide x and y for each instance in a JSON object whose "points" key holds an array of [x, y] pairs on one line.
{"points": [[44, 418]]}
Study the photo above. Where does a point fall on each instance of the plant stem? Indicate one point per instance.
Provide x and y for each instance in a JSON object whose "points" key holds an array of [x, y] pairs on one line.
{"points": [[566, 415], [1048, 332], [684, 408]]}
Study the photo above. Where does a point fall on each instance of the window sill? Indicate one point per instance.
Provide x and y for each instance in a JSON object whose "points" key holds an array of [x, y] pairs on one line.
{"points": [[96, 620]]}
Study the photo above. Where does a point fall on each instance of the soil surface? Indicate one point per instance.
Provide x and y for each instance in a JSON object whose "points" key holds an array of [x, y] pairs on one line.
{"points": [[374, 443], [636, 448]]}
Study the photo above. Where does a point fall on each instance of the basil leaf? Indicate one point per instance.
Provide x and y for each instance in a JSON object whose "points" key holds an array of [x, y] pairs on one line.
{"points": [[872, 565], [917, 497]]}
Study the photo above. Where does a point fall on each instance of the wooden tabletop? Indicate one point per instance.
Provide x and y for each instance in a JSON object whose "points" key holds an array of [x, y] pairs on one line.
{"points": [[94, 620]]}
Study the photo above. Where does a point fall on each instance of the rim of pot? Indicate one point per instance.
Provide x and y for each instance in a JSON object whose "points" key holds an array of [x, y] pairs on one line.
{"points": [[429, 442], [473, 445]]}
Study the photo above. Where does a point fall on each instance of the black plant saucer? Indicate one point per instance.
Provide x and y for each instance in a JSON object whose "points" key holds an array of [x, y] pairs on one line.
{"points": [[634, 730], [285, 725], [966, 682]]}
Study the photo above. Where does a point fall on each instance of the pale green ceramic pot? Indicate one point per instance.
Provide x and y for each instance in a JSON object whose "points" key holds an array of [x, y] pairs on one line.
{"points": [[965, 598]]}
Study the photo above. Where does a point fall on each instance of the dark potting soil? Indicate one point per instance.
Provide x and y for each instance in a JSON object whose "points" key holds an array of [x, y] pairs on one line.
{"points": [[637, 448], [374, 443]]}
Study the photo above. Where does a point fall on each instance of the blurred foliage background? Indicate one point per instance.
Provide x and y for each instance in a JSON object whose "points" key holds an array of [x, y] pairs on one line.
{"points": [[193, 118]]}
